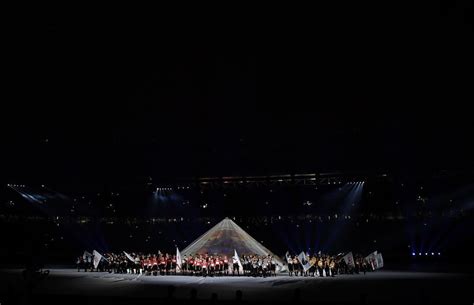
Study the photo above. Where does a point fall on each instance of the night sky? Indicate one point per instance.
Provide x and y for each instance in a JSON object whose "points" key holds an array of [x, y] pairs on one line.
{"points": [[104, 102]]}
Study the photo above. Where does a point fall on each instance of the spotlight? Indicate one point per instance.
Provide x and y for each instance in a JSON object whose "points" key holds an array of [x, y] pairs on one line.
{"points": [[413, 254], [419, 254], [426, 253], [439, 253], [432, 253]]}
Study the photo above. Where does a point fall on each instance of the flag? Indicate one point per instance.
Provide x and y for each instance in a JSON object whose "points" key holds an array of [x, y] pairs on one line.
{"points": [[129, 257], [304, 261], [236, 257], [349, 259], [379, 260], [179, 261], [86, 255], [372, 260], [97, 258]]}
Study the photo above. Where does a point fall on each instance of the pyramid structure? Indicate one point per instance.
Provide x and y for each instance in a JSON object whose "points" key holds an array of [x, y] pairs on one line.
{"points": [[223, 238]]}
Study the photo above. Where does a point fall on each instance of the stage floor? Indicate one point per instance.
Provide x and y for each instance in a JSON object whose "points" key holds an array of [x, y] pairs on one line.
{"points": [[384, 286]]}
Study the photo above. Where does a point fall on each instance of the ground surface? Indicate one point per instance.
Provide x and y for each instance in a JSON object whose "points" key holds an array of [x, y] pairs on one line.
{"points": [[388, 287]]}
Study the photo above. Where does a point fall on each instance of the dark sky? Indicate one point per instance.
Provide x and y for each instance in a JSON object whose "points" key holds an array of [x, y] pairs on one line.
{"points": [[373, 89]]}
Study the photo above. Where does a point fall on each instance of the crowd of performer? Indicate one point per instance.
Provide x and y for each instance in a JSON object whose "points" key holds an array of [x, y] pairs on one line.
{"points": [[326, 265], [166, 264], [221, 265]]}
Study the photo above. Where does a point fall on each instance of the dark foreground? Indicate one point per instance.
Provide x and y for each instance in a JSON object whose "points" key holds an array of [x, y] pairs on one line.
{"points": [[67, 286]]}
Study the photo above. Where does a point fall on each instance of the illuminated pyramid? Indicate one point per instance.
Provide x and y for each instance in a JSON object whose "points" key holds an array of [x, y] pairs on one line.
{"points": [[223, 238]]}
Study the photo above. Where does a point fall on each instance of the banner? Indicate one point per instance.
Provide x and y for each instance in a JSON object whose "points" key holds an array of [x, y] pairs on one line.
{"points": [[349, 259], [304, 261], [129, 257], [86, 255], [97, 258], [179, 261], [236, 258], [379, 260], [372, 260]]}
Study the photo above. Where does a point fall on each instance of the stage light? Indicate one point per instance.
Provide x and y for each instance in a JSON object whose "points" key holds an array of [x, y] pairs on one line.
{"points": [[419, 254], [426, 253], [432, 253], [413, 254], [439, 253]]}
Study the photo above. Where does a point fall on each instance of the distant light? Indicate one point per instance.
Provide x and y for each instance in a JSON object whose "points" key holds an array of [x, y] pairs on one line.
{"points": [[426, 253], [419, 254], [413, 254], [432, 253], [439, 253]]}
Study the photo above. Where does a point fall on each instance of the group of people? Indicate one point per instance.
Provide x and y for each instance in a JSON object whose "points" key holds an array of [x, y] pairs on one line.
{"points": [[219, 265], [324, 265], [167, 264]]}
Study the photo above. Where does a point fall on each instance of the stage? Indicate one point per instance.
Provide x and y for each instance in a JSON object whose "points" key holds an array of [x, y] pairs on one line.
{"points": [[384, 286]]}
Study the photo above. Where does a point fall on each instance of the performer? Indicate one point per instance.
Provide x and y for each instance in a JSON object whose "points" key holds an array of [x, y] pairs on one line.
{"points": [[320, 266], [197, 266], [357, 265], [312, 269], [207, 265], [173, 264], [326, 265], [136, 264], [289, 261], [332, 269], [273, 266], [168, 264], [184, 265], [235, 266], [226, 265], [191, 265], [153, 263], [364, 266], [296, 265], [162, 264], [216, 265], [79, 263]]}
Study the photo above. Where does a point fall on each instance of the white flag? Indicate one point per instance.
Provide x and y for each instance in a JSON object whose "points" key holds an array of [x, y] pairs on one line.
{"points": [[97, 258], [86, 255], [179, 261], [304, 261], [237, 258], [349, 259], [129, 257], [379, 260], [372, 260]]}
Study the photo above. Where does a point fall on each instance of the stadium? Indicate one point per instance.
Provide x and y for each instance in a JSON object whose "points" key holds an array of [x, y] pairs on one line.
{"points": [[141, 165]]}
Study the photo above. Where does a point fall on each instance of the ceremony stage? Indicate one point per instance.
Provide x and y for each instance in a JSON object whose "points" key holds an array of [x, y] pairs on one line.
{"points": [[388, 287]]}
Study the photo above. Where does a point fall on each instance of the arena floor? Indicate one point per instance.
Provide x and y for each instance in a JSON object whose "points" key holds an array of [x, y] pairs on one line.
{"points": [[388, 287]]}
